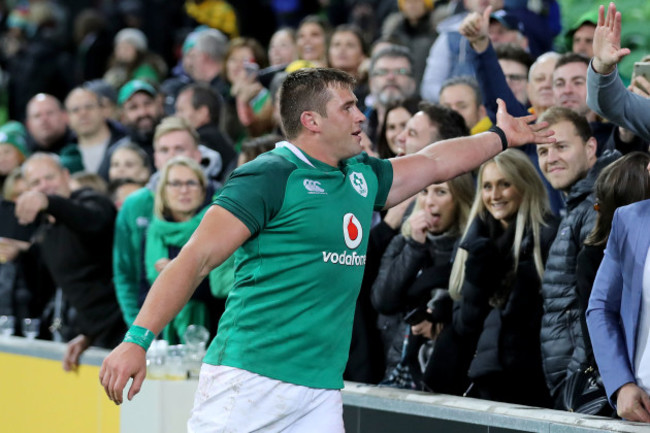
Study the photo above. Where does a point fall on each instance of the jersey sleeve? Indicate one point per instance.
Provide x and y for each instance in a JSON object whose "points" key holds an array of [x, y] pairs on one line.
{"points": [[384, 171], [255, 191]]}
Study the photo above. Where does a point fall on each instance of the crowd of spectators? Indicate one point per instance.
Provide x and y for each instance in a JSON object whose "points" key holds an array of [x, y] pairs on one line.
{"points": [[120, 120]]}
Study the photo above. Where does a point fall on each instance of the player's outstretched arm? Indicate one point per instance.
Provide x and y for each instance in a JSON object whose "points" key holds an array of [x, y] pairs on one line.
{"points": [[217, 237], [444, 160]]}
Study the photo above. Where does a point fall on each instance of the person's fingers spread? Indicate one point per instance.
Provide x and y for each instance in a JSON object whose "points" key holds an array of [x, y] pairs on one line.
{"points": [[609, 20], [530, 118], [540, 126], [601, 16]]}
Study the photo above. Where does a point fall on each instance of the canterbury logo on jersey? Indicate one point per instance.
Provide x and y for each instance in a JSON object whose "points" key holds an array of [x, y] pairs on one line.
{"points": [[352, 235], [313, 186]]}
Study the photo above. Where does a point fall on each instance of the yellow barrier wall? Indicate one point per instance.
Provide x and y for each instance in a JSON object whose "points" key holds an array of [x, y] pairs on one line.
{"points": [[36, 396]]}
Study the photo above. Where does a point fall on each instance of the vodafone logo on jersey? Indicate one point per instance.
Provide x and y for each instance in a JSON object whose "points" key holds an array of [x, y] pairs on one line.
{"points": [[352, 235], [352, 231]]}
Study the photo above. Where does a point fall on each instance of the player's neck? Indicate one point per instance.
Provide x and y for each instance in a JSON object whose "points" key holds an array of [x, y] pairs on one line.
{"points": [[316, 150]]}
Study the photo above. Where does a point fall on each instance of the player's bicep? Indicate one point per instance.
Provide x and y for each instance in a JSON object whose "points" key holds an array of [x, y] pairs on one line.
{"points": [[216, 238], [411, 174]]}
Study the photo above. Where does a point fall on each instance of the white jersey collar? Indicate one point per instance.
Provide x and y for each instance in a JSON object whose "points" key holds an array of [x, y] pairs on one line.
{"points": [[299, 153]]}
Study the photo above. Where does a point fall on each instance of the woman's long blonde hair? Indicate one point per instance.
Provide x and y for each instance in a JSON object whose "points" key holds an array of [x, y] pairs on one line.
{"points": [[520, 172]]}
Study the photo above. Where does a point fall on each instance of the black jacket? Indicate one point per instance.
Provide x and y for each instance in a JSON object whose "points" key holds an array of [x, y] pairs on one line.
{"points": [[500, 312], [77, 250], [509, 338], [561, 336], [408, 274]]}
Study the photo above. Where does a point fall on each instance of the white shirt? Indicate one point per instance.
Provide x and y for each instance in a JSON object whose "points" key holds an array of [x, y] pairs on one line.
{"points": [[92, 155]]}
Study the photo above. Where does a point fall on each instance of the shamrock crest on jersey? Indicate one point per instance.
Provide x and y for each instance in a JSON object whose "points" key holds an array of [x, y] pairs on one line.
{"points": [[359, 183]]}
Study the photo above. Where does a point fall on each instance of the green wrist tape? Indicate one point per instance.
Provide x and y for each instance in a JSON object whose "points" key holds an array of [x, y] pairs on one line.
{"points": [[140, 336]]}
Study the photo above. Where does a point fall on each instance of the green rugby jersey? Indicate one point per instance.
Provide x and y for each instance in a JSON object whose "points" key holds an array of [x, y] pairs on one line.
{"points": [[289, 315]]}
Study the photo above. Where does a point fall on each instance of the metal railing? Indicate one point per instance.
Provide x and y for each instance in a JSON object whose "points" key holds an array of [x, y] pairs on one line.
{"points": [[373, 409]]}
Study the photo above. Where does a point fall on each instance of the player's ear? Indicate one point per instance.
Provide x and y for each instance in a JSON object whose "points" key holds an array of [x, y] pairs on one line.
{"points": [[310, 120]]}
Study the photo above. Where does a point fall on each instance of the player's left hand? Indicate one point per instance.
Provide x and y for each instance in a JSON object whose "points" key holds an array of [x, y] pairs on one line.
{"points": [[520, 130]]}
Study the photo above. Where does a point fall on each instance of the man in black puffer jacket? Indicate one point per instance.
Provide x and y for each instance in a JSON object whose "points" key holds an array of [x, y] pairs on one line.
{"points": [[570, 165]]}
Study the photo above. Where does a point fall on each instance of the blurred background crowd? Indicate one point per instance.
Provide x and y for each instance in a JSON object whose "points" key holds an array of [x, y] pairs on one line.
{"points": [[120, 121]]}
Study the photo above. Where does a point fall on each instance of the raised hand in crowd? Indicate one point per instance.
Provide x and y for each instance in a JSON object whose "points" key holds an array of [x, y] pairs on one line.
{"points": [[607, 41], [475, 28], [641, 86]]}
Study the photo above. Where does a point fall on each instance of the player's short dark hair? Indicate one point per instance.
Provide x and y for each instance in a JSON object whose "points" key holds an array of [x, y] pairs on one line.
{"points": [[308, 90]]}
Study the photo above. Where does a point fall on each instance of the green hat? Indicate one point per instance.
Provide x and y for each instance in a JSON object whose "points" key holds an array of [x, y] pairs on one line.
{"points": [[589, 17], [190, 39], [14, 133], [133, 87]]}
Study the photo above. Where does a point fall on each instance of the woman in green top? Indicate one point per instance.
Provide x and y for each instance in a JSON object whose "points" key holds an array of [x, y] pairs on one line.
{"points": [[182, 197]]}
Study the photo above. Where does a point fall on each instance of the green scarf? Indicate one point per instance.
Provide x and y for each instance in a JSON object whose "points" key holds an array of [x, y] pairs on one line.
{"points": [[163, 234]]}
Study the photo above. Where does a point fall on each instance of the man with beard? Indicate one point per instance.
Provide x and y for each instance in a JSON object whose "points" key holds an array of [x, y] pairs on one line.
{"points": [[141, 112], [391, 80]]}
